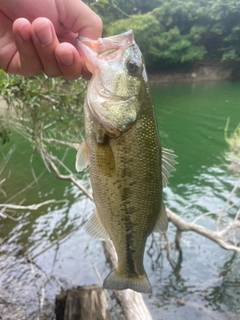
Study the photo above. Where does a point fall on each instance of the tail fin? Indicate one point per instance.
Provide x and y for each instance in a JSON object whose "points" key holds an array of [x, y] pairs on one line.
{"points": [[116, 281]]}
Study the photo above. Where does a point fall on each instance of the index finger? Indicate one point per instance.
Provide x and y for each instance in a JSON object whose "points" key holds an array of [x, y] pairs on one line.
{"points": [[79, 18]]}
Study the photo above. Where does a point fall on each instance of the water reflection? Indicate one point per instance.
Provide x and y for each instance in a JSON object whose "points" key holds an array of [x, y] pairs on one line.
{"points": [[187, 293]]}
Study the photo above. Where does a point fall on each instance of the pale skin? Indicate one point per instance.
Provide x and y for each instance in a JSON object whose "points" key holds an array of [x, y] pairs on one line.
{"points": [[40, 35]]}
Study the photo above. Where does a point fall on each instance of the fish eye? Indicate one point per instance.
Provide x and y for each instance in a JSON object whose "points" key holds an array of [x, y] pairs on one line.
{"points": [[133, 67]]}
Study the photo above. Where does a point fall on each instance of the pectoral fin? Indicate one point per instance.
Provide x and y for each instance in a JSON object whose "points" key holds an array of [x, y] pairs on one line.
{"points": [[95, 228], [162, 221], [82, 157], [168, 164]]}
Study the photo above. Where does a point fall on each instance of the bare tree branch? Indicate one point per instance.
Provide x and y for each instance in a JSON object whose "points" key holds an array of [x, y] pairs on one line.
{"points": [[8, 206], [30, 207], [215, 236], [51, 160], [64, 143]]}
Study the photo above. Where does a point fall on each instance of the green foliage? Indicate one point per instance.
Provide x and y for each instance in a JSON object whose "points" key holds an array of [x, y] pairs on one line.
{"points": [[171, 32], [4, 132], [181, 41], [176, 48], [42, 108], [132, 7]]}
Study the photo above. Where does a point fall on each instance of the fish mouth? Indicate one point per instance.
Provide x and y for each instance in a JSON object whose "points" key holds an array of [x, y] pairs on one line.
{"points": [[90, 49]]}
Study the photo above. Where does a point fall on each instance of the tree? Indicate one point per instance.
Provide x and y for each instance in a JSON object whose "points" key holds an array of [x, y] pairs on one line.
{"points": [[226, 27]]}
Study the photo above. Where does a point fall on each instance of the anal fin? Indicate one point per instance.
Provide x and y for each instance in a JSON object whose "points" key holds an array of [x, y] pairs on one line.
{"points": [[95, 228]]}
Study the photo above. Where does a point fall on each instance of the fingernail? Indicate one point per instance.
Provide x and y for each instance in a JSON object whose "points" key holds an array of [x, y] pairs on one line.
{"points": [[66, 58], [45, 35]]}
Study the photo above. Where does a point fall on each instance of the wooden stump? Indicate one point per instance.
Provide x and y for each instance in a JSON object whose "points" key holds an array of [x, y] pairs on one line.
{"points": [[82, 303]]}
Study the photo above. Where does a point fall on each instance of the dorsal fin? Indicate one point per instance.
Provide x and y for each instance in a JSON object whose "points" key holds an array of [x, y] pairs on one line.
{"points": [[168, 164]]}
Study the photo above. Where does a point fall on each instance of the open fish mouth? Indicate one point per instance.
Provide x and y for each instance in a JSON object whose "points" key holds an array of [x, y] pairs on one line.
{"points": [[102, 45], [111, 46]]}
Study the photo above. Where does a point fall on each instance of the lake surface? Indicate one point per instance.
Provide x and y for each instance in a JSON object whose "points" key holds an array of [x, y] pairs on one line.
{"points": [[205, 285]]}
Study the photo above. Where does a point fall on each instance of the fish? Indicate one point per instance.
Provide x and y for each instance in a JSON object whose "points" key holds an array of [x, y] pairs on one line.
{"points": [[127, 165]]}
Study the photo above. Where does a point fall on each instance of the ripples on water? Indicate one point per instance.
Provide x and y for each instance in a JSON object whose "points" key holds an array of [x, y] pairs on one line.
{"points": [[191, 119]]}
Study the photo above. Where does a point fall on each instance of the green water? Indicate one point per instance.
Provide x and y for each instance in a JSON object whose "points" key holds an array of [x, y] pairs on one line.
{"points": [[191, 120]]}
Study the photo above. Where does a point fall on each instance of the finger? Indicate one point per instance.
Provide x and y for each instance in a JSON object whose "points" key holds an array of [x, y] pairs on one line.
{"points": [[79, 18], [8, 48], [69, 62], [27, 59], [45, 41]]}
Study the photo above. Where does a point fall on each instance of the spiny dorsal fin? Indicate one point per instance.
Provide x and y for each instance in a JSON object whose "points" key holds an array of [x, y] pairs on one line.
{"points": [[95, 228], [82, 157], [162, 221], [168, 164]]}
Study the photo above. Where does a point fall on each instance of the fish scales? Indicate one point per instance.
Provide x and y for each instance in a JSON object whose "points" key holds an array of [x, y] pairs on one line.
{"points": [[124, 155]]}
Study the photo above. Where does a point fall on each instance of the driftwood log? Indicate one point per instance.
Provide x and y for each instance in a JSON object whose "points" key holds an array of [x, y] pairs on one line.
{"points": [[82, 303], [132, 303]]}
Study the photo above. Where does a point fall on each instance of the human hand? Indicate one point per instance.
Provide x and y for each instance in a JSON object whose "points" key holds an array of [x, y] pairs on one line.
{"points": [[44, 40]]}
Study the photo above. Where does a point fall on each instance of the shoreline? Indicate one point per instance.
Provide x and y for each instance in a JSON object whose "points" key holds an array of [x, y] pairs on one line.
{"points": [[198, 74]]}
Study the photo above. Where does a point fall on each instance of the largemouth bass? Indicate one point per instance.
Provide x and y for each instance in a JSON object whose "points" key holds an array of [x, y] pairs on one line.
{"points": [[123, 150]]}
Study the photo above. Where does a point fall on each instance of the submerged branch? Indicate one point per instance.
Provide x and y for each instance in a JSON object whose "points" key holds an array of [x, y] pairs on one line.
{"points": [[52, 160], [215, 236], [8, 206], [224, 235], [30, 207]]}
